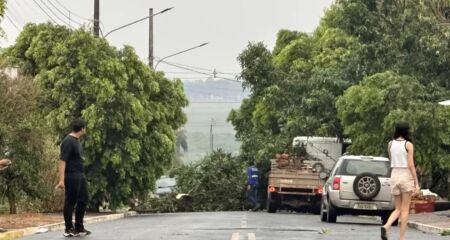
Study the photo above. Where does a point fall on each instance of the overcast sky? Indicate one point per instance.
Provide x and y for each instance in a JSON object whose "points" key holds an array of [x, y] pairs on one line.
{"points": [[228, 26]]}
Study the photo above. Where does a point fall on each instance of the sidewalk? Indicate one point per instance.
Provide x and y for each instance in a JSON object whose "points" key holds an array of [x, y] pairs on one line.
{"points": [[434, 222], [14, 234]]}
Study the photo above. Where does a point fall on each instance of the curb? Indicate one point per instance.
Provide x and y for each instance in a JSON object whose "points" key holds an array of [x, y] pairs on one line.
{"points": [[14, 234], [418, 226], [427, 228]]}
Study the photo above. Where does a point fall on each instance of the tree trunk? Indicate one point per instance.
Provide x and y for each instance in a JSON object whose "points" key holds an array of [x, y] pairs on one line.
{"points": [[12, 204]]}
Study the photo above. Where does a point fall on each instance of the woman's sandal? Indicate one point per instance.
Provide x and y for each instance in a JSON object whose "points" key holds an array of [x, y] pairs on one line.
{"points": [[384, 234]]}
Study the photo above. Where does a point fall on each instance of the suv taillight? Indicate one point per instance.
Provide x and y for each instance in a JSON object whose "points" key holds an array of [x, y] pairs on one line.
{"points": [[337, 183]]}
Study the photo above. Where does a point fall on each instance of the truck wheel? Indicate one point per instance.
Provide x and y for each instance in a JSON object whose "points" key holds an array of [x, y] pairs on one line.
{"points": [[366, 186], [331, 213], [272, 202], [323, 214]]}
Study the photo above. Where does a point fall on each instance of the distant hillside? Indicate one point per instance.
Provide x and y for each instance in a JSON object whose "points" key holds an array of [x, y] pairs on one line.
{"points": [[210, 103], [214, 90]]}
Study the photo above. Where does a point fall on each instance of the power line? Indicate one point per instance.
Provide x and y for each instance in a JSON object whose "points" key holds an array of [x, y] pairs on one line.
{"points": [[228, 73], [196, 71], [179, 72], [72, 13], [198, 68], [61, 12], [15, 15], [12, 22], [228, 79], [20, 6], [54, 14], [205, 69], [221, 122], [205, 102], [208, 125], [190, 78], [186, 68], [202, 123], [79, 16], [208, 90], [45, 12]]}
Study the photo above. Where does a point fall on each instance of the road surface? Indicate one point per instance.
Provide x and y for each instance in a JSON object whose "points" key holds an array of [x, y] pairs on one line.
{"points": [[237, 226]]}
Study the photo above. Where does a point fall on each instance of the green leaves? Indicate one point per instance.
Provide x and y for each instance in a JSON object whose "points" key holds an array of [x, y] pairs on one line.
{"points": [[23, 139], [370, 109], [368, 65], [132, 112], [380, 99]]}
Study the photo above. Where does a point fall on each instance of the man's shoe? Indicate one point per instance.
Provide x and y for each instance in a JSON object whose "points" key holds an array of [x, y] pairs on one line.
{"points": [[83, 232], [70, 232]]}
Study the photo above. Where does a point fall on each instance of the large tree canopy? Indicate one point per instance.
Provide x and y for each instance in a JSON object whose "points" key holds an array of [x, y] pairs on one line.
{"points": [[132, 112], [400, 48]]}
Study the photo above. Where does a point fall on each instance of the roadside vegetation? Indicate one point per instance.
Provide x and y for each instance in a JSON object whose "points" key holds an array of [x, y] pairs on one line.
{"points": [[215, 183], [61, 74], [368, 64]]}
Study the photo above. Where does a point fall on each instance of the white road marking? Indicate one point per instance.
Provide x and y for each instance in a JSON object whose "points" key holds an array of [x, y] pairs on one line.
{"points": [[235, 236], [244, 221], [251, 236], [244, 224]]}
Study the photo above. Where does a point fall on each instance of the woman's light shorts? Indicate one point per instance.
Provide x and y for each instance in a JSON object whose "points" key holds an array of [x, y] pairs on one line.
{"points": [[402, 181]]}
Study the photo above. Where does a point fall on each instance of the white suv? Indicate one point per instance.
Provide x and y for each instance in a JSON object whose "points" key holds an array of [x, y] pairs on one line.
{"points": [[357, 185]]}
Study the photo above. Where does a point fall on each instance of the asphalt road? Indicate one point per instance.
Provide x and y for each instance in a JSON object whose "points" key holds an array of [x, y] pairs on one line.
{"points": [[237, 226]]}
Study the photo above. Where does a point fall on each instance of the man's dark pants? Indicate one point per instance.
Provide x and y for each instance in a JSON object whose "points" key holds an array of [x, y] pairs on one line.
{"points": [[252, 195], [76, 195]]}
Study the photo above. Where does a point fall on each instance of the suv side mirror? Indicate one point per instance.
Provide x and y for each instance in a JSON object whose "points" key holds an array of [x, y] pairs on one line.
{"points": [[323, 175]]}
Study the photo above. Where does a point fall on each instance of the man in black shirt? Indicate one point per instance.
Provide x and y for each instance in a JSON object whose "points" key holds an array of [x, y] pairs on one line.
{"points": [[73, 180]]}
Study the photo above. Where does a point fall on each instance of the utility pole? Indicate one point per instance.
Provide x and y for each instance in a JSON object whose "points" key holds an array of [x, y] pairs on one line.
{"points": [[211, 134], [96, 18], [150, 38]]}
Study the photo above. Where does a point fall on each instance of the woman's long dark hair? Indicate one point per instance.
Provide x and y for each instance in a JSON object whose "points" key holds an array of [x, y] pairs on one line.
{"points": [[402, 130]]}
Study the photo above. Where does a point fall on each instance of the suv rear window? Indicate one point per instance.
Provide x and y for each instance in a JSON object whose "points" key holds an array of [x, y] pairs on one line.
{"points": [[353, 167]]}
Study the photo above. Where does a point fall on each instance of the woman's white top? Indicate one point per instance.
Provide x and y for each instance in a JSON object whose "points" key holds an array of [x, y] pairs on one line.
{"points": [[399, 155]]}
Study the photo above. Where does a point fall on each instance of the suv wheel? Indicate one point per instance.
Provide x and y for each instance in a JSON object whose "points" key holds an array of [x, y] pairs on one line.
{"points": [[366, 186], [331, 213], [272, 202], [323, 214]]}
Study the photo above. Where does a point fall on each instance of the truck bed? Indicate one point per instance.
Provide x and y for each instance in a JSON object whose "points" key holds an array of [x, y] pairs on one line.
{"points": [[294, 180]]}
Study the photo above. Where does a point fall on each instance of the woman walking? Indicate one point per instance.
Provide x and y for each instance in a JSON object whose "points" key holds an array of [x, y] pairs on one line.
{"points": [[404, 181]]}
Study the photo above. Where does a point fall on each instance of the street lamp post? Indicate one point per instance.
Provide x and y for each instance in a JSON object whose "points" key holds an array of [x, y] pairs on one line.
{"points": [[137, 21], [177, 53], [150, 17], [150, 38]]}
